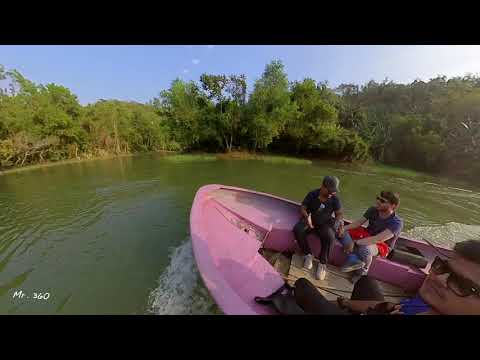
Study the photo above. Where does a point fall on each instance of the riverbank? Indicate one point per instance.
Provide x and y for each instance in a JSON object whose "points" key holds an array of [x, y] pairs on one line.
{"points": [[242, 155], [72, 161], [366, 166], [172, 156]]}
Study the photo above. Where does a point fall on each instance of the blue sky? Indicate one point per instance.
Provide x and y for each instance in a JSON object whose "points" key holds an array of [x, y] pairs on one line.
{"points": [[139, 73]]}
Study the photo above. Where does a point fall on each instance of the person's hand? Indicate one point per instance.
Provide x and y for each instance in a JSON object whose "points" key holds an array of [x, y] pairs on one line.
{"points": [[397, 310], [348, 248], [385, 308], [341, 230], [343, 303], [309, 221]]}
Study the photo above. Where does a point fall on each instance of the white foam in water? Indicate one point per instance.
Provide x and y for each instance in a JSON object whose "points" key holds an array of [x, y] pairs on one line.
{"points": [[180, 289], [447, 234]]}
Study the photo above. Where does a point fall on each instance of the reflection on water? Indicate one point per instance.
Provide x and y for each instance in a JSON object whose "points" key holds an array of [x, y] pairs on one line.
{"points": [[108, 237]]}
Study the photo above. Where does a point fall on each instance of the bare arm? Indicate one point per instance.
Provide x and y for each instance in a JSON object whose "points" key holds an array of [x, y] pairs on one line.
{"points": [[356, 224], [303, 211], [339, 225], [383, 236], [338, 215]]}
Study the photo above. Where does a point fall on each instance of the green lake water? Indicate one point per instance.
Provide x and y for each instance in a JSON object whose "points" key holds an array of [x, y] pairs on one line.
{"points": [[112, 236]]}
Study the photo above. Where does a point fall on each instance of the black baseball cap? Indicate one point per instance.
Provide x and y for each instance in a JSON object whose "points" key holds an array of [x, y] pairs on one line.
{"points": [[331, 183]]}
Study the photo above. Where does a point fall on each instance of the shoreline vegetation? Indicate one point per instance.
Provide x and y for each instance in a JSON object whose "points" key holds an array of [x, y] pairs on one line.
{"points": [[172, 156], [431, 127], [369, 167], [61, 162]]}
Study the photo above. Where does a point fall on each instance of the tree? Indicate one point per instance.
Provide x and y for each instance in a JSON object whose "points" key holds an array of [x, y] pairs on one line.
{"points": [[429, 125], [462, 130], [214, 86], [182, 106], [3, 76], [270, 105], [312, 112], [236, 88], [229, 94]]}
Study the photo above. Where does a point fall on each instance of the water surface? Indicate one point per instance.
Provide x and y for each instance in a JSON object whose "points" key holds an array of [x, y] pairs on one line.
{"points": [[111, 236]]}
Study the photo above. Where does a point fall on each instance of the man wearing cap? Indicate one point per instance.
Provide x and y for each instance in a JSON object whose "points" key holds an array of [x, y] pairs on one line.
{"points": [[317, 209]]}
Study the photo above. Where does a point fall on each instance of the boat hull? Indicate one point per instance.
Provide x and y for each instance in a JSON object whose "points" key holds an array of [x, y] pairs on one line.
{"points": [[229, 226]]}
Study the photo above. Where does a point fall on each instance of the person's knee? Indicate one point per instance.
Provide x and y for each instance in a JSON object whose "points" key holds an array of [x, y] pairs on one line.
{"points": [[363, 252], [312, 301], [300, 226], [303, 286], [367, 288], [307, 296], [364, 281], [299, 230], [365, 257], [296, 227], [302, 283]]}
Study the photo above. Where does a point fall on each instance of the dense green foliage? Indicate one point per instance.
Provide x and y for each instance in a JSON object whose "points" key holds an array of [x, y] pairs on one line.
{"points": [[39, 123], [432, 126]]}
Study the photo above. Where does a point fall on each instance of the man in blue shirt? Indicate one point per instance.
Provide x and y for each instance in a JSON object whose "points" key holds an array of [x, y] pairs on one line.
{"points": [[317, 209], [384, 227]]}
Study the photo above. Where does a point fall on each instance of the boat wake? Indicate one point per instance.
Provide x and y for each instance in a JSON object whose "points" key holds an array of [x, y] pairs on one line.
{"points": [[446, 235], [180, 289]]}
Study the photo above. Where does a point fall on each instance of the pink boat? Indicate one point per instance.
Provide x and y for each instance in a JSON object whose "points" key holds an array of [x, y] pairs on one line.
{"points": [[244, 247]]}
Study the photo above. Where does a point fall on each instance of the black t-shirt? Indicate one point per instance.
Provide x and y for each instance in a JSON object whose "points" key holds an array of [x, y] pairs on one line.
{"points": [[321, 211]]}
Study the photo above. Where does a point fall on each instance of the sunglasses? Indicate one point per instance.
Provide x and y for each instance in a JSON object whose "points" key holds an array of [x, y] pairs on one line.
{"points": [[382, 200], [458, 284]]}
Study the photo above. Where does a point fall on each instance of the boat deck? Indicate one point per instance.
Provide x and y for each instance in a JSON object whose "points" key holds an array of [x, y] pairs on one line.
{"points": [[335, 284]]}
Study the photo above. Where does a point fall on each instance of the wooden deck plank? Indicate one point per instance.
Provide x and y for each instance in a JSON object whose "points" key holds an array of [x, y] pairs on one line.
{"points": [[269, 255], [336, 283], [282, 265]]}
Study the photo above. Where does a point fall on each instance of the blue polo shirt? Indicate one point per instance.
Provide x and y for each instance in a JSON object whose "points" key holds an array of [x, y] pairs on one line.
{"points": [[376, 224]]}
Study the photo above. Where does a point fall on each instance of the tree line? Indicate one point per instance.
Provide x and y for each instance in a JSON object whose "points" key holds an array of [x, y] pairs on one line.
{"points": [[430, 126]]}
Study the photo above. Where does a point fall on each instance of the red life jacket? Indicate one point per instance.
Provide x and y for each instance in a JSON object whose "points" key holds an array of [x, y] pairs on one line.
{"points": [[361, 232]]}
